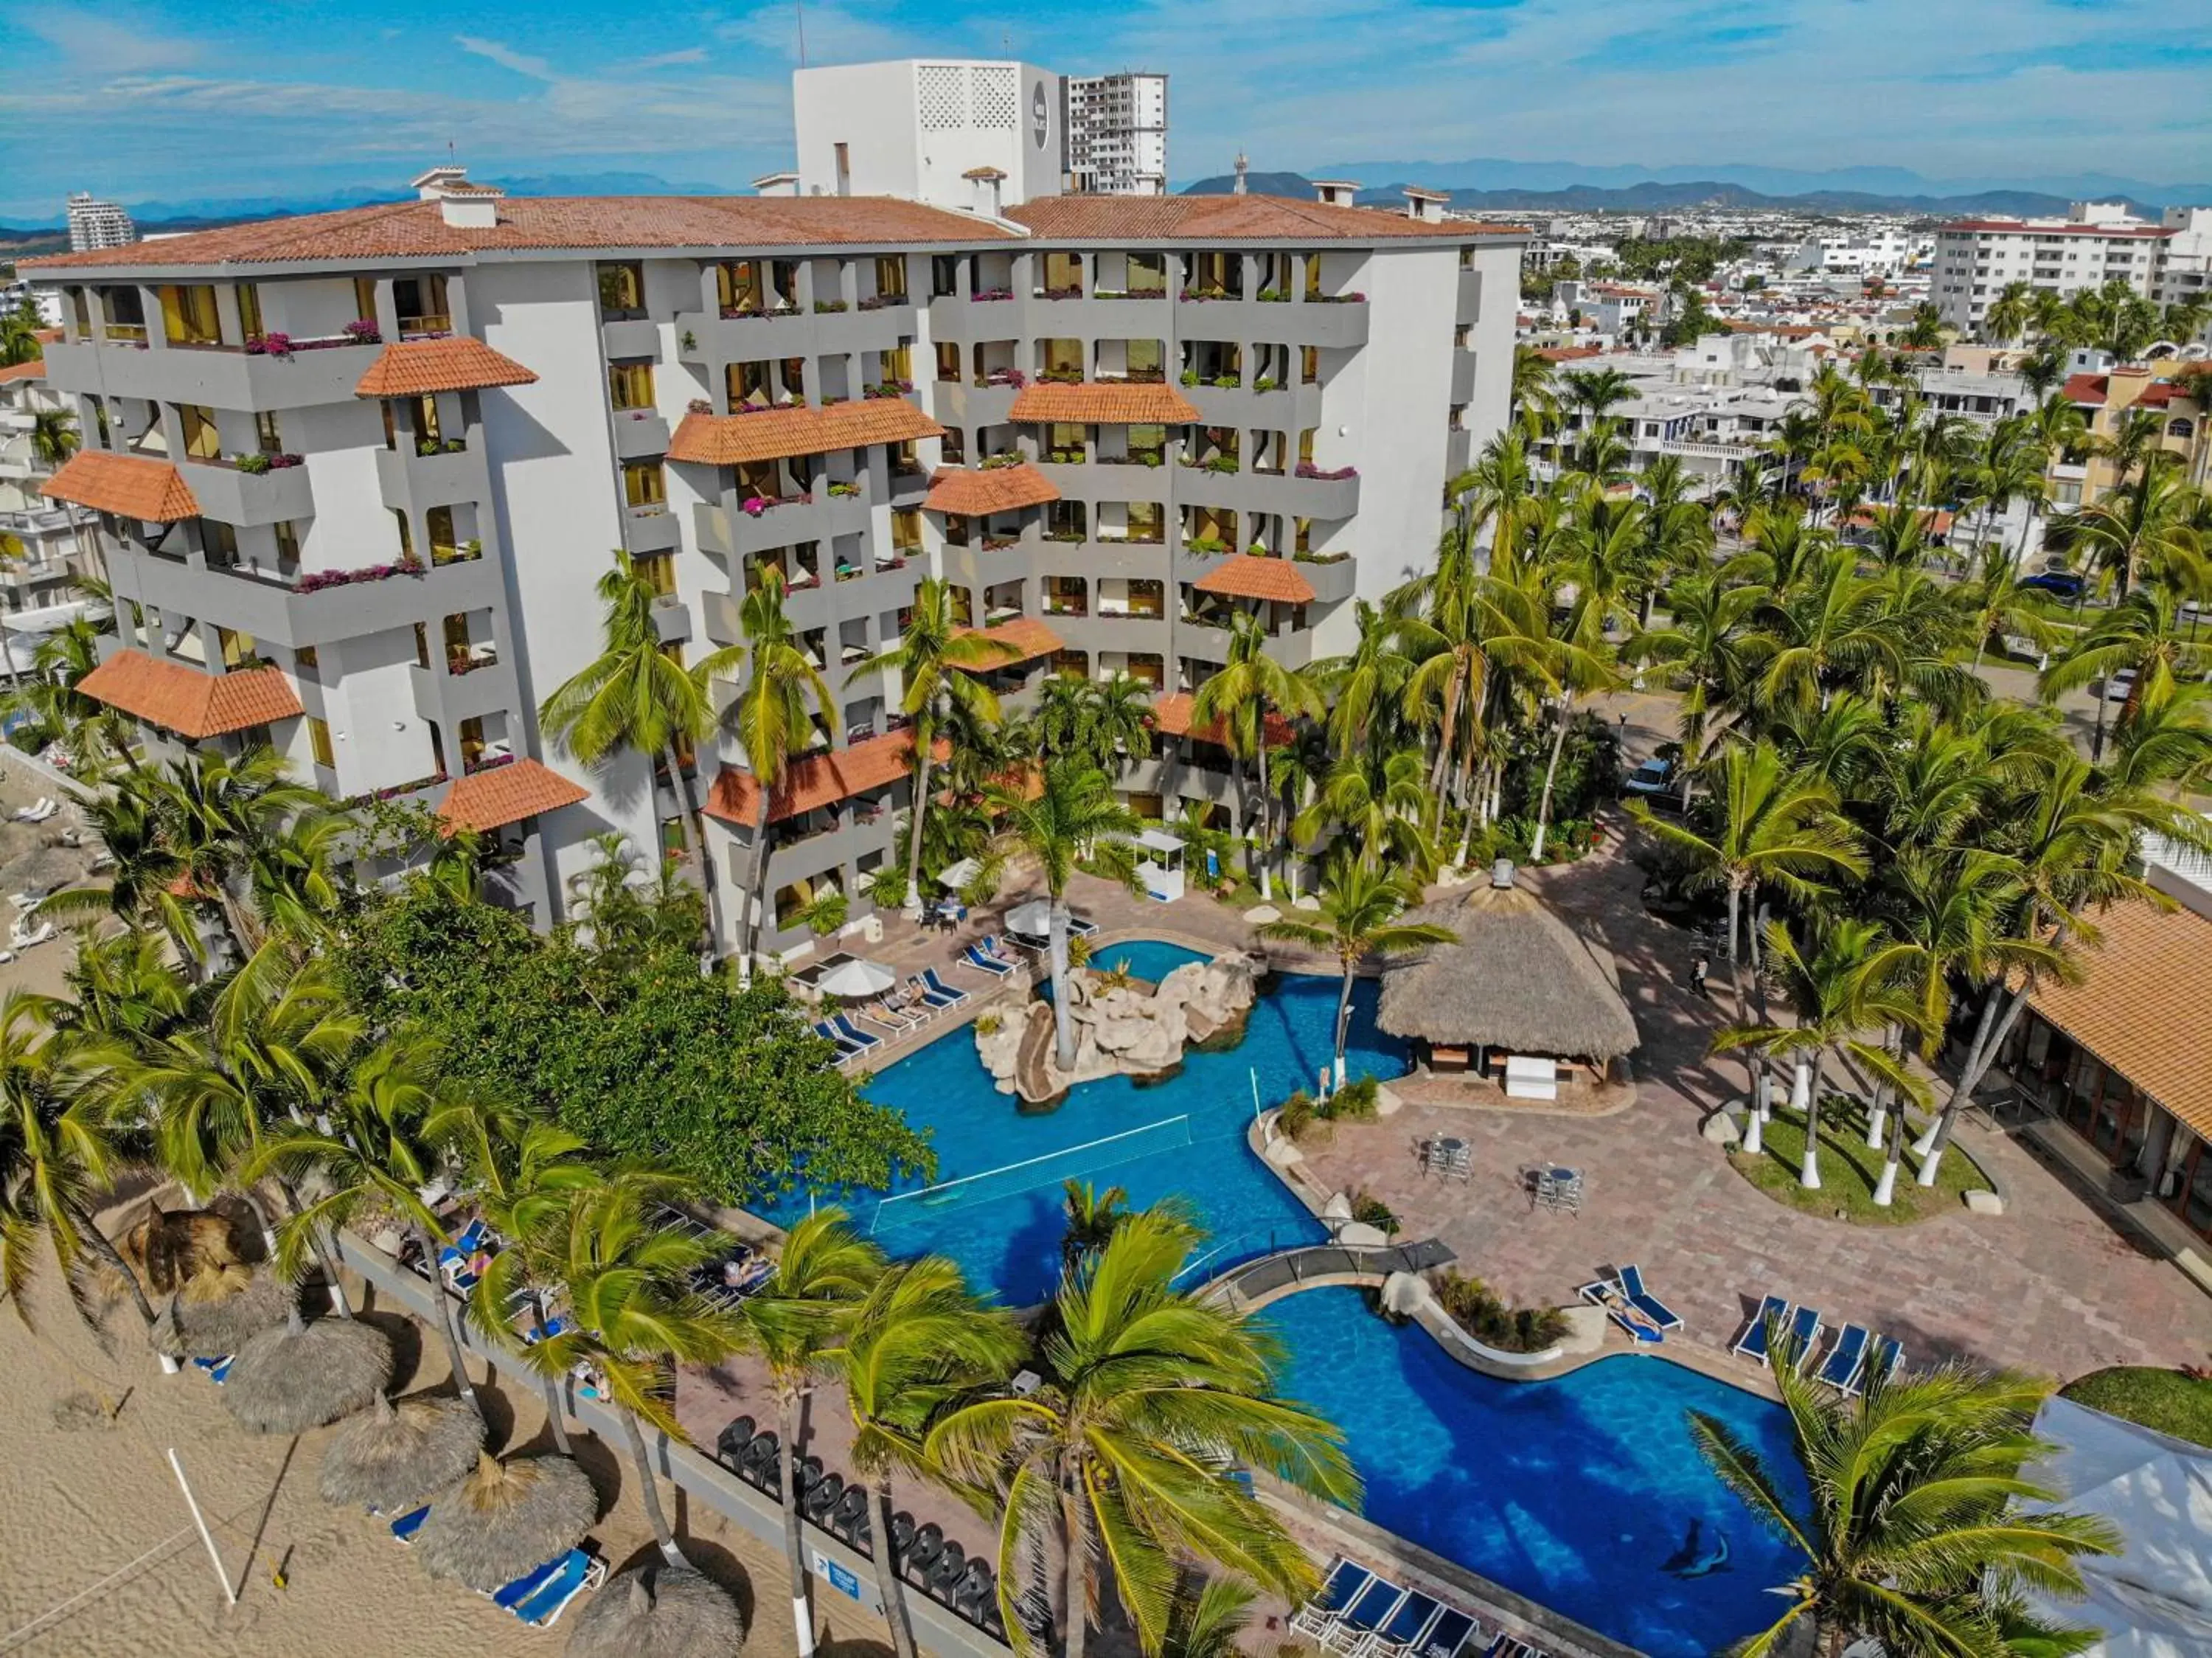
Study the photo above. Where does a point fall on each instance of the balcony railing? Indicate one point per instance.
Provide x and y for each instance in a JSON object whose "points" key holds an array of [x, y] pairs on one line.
{"points": [[127, 333], [425, 326]]}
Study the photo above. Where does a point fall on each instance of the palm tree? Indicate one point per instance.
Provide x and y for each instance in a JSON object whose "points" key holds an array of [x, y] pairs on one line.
{"points": [[1074, 814], [798, 1326], [143, 884], [2011, 312], [1843, 988], [218, 812], [1149, 1400], [1092, 1216], [636, 697], [633, 1317], [1913, 1534], [1240, 698], [2140, 530], [918, 1342], [2141, 634], [1371, 799], [937, 663], [58, 1150], [1998, 606], [20, 327], [1705, 646], [53, 437], [1578, 660], [770, 718], [1361, 915]]}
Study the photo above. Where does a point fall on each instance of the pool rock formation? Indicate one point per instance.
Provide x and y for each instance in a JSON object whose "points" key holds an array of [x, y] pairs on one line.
{"points": [[1121, 1029]]}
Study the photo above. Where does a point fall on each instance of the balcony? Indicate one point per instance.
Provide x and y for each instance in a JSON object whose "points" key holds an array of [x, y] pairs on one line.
{"points": [[1470, 297], [226, 491], [1463, 377], [319, 607], [649, 528], [631, 337], [672, 618], [310, 374], [408, 479], [640, 433], [1334, 576]]}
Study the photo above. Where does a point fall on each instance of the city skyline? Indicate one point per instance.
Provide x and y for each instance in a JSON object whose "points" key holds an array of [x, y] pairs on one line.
{"points": [[312, 96]]}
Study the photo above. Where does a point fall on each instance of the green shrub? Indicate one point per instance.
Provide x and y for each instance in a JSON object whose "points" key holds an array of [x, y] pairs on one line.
{"points": [[1475, 1308], [1355, 1102], [887, 886], [1368, 1210], [1298, 1118]]}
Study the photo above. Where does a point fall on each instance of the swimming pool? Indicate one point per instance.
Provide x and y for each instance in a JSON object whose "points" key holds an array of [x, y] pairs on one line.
{"points": [[1184, 1137], [1585, 1493]]}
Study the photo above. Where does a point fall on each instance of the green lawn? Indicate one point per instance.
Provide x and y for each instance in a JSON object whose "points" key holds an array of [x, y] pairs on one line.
{"points": [[2165, 1400], [1848, 1170]]}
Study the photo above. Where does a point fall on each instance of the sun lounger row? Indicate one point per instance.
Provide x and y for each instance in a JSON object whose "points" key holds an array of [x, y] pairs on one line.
{"points": [[1856, 1358], [1362, 1614], [1645, 1318], [539, 1596]]}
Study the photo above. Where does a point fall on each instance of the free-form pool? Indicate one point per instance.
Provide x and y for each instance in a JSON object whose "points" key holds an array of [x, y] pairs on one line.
{"points": [[1585, 1493], [1183, 1137]]}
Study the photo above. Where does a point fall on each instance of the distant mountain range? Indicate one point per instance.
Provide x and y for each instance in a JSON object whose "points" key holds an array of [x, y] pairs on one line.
{"points": [[1651, 195]]}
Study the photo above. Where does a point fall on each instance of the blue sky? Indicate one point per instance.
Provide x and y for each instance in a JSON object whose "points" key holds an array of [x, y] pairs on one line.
{"points": [[146, 98]]}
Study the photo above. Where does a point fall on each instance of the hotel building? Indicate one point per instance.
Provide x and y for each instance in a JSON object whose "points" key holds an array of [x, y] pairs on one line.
{"points": [[356, 474]]}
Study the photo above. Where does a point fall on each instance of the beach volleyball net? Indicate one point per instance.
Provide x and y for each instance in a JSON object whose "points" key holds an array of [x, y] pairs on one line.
{"points": [[1054, 1169]]}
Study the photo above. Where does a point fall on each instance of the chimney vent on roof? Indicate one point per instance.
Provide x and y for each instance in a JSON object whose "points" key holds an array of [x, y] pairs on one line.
{"points": [[776, 184], [463, 205], [1244, 165], [1335, 193], [432, 183], [1427, 206], [987, 182]]}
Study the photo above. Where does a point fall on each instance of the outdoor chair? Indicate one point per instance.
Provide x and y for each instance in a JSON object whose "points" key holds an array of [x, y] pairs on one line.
{"points": [[1773, 1311], [1846, 1358], [1632, 1285]]}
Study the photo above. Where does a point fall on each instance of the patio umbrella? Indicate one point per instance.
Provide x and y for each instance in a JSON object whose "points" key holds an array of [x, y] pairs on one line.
{"points": [[659, 1611], [1032, 919], [300, 1375], [393, 1456], [41, 870], [219, 1308], [953, 876], [505, 1518], [851, 980]]}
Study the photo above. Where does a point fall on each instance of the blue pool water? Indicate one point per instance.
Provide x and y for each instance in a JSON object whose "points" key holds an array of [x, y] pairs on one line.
{"points": [[1576, 1493], [1007, 1234]]}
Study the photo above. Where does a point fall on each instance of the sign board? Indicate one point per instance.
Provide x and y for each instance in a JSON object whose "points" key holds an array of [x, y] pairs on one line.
{"points": [[842, 1579]]}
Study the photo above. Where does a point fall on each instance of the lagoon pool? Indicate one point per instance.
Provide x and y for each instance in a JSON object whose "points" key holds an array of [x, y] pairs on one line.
{"points": [[1585, 1493], [1183, 1137]]}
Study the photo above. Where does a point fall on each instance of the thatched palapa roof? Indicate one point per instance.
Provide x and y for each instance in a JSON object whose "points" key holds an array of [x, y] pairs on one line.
{"points": [[1519, 980], [393, 1456], [659, 1611], [299, 1377], [220, 1309], [505, 1518]]}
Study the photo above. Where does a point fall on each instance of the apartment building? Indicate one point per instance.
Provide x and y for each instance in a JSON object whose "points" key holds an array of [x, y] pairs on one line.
{"points": [[2108, 396], [1117, 134], [49, 537], [96, 224], [357, 473], [972, 135], [2095, 243]]}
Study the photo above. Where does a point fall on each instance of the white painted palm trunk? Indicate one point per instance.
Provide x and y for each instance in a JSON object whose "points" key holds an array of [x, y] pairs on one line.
{"points": [[1754, 1122], [1801, 1087], [1808, 1174], [1885, 1189], [1929, 1165], [1876, 1117], [804, 1624]]}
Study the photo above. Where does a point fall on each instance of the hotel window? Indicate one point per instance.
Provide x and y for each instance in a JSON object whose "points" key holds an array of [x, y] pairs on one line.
{"points": [[319, 743], [305, 657], [906, 529], [1146, 359], [953, 450], [630, 384], [426, 419], [1063, 358], [894, 367], [237, 647], [472, 742], [943, 275], [1063, 273], [890, 277], [79, 314], [1310, 364], [750, 383], [267, 434], [406, 535], [904, 457], [420, 302], [421, 646], [249, 310], [364, 298], [444, 547], [622, 289], [219, 543], [658, 571], [948, 361], [643, 484], [391, 427], [738, 287], [188, 314], [202, 441], [1313, 276], [288, 547], [1147, 520], [1148, 273]]}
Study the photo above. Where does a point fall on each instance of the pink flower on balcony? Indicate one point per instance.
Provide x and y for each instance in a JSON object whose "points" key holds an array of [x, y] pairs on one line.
{"points": [[754, 506]]}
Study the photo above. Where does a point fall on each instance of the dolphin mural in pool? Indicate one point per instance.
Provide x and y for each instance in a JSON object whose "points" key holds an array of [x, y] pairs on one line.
{"points": [[1690, 1560]]}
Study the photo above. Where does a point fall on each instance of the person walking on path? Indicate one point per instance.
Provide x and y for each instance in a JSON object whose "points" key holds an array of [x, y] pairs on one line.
{"points": [[1700, 964]]}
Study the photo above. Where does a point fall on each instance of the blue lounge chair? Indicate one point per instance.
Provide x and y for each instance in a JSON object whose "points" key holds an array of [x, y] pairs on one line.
{"points": [[1406, 1626], [1376, 1606], [1632, 1285], [995, 948], [509, 1596], [404, 1528], [990, 964], [1805, 1332], [852, 1032], [558, 1325], [1607, 1293], [1452, 1631], [1846, 1358], [937, 987], [1886, 1359], [578, 1571], [1080, 927], [218, 1370], [1344, 1583], [1752, 1344], [456, 1254], [828, 1033]]}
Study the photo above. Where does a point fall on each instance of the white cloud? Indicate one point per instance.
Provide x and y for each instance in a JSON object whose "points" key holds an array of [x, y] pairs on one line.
{"points": [[506, 56], [834, 35], [110, 41]]}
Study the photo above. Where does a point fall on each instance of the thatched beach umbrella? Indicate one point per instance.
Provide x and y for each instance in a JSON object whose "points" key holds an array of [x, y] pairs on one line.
{"points": [[393, 1456], [219, 1309], [300, 1375], [659, 1611], [505, 1518], [1518, 979], [41, 870]]}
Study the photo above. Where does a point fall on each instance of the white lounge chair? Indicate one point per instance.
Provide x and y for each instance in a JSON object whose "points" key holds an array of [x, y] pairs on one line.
{"points": [[20, 940], [38, 812]]}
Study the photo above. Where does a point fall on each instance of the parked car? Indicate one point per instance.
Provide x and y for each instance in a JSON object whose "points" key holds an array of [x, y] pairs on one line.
{"points": [[2119, 687], [1654, 777], [2059, 584]]}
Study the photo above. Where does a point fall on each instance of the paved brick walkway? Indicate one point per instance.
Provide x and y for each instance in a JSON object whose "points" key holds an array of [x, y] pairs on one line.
{"points": [[2048, 1286]]}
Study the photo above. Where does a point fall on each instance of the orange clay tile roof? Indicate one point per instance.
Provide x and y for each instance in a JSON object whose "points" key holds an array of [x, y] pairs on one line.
{"points": [[2083, 388], [773, 434], [128, 485], [1171, 715], [1230, 218], [994, 488], [818, 780], [501, 795], [188, 702], [410, 368], [34, 370], [1933, 520], [2144, 1005], [418, 230], [1145, 404], [1026, 636], [1248, 576]]}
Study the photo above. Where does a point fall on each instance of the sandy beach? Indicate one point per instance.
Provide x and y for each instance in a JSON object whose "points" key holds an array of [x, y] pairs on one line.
{"points": [[103, 1558]]}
